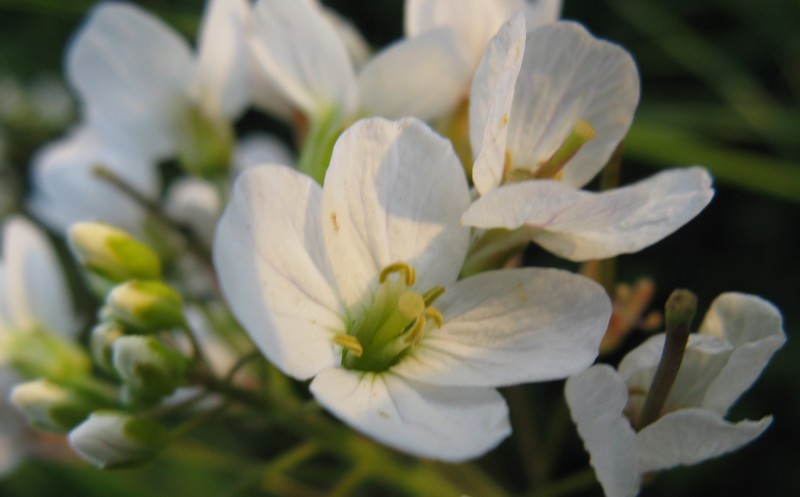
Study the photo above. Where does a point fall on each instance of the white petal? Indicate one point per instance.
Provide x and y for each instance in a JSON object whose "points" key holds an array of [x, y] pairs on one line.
{"points": [[66, 189], [690, 436], [221, 79], [703, 360], [596, 399], [580, 225], [541, 12], [394, 192], [474, 21], [357, 47], [270, 259], [36, 291], [754, 327], [490, 103], [422, 77], [257, 149], [132, 74], [304, 55], [512, 326], [447, 423], [569, 75]]}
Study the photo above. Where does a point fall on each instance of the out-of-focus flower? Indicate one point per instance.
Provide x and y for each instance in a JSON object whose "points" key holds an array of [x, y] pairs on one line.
{"points": [[736, 340], [67, 189], [305, 55], [144, 91], [547, 110], [475, 22], [36, 320], [361, 294], [113, 439]]}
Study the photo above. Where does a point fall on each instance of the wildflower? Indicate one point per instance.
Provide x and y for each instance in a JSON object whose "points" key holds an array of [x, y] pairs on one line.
{"points": [[354, 285], [142, 88], [736, 340], [548, 108]]}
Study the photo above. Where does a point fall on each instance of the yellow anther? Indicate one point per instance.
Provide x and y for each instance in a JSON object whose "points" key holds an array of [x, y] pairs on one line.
{"points": [[431, 295], [414, 334], [435, 316], [410, 304], [350, 343], [581, 134], [409, 275]]}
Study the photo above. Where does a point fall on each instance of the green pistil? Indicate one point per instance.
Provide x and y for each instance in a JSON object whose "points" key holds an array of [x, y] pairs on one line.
{"points": [[581, 134], [396, 320]]}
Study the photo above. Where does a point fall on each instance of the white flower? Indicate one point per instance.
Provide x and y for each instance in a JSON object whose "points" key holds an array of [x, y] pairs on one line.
{"points": [[142, 87], [66, 188], [553, 104], [475, 22], [736, 340], [33, 297], [306, 57], [354, 285]]}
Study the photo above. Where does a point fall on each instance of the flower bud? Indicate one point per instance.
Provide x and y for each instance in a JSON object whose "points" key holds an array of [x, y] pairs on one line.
{"points": [[48, 406], [113, 439], [104, 334], [147, 367], [146, 306], [41, 354], [112, 253]]}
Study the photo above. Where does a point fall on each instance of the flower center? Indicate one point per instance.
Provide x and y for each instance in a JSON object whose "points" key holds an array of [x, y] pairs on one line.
{"points": [[394, 322], [582, 133]]}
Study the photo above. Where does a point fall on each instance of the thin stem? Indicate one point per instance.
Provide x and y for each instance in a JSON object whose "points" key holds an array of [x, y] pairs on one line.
{"points": [[350, 482], [494, 248], [239, 364], [576, 482], [527, 435], [194, 244]]}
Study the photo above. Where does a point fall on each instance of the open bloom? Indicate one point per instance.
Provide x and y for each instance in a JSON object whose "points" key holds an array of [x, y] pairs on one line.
{"points": [[355, 285], [547, 110], [736, 340], [144, 90]]}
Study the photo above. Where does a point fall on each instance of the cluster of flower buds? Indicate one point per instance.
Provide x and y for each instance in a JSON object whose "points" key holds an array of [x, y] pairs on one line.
{"points": [[380, 264]]}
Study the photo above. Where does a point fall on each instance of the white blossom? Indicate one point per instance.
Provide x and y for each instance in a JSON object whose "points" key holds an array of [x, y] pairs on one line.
{"points": [[736, 341], [548, 108], [355, 285]]}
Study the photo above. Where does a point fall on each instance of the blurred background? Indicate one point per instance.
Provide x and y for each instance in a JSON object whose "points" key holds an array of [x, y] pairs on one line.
{"points": [[721, 88]]}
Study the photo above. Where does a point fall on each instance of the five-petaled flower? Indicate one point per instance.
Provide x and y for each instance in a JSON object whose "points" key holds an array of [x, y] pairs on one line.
{"points": [[356, 286]]}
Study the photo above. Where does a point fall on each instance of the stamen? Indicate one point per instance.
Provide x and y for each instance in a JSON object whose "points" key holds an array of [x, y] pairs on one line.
{"points": [[582, 133], [435, 315], [414, 335], [431, 295], [350, 343], [409, 275]]}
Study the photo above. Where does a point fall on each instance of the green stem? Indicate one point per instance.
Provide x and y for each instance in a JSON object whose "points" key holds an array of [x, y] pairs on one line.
{"points": [[317, 147], [525, 430], [193, 242], [574, 483], [350, 482], [494, 248]]}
